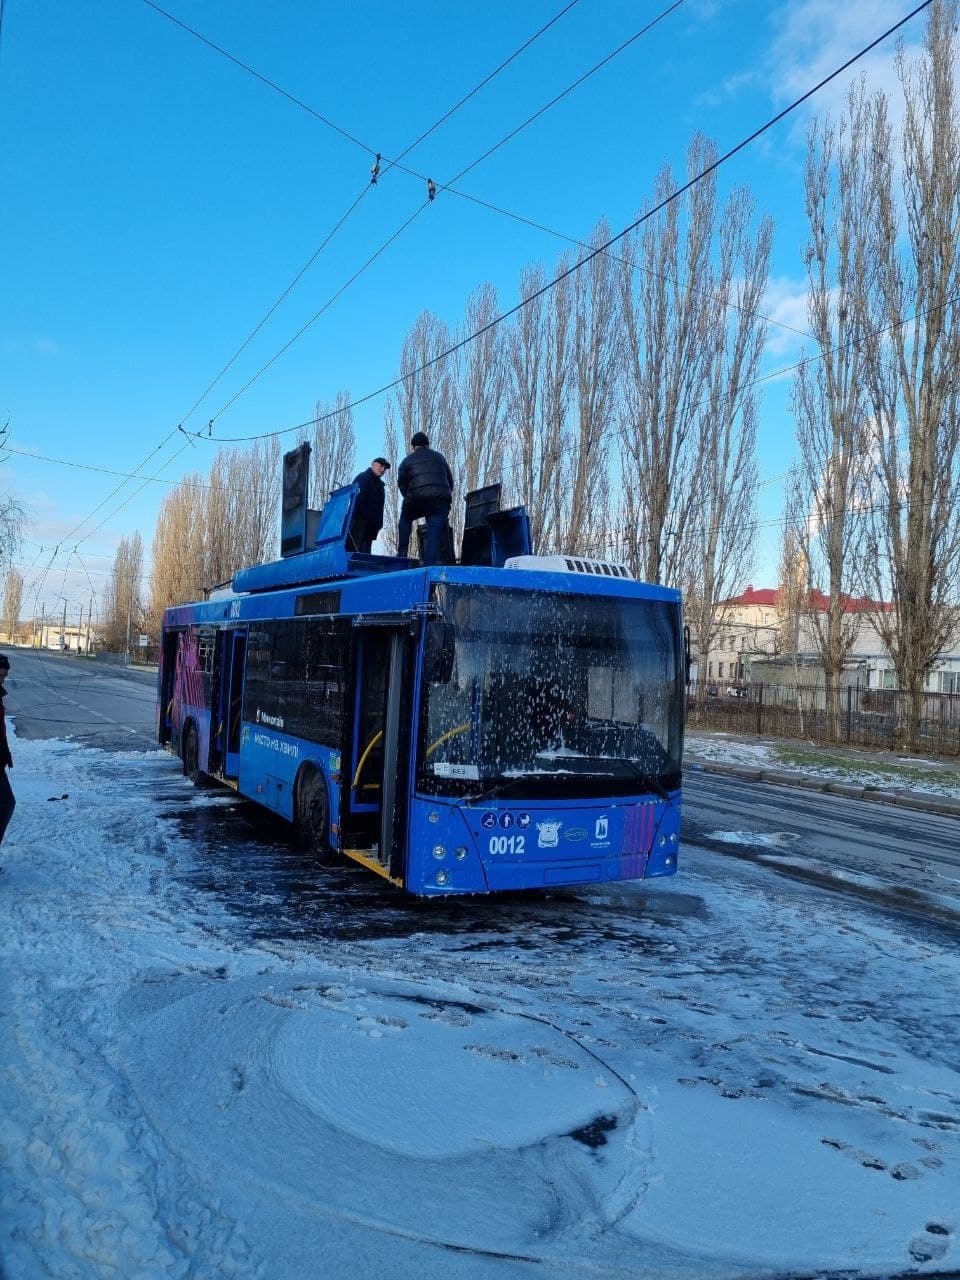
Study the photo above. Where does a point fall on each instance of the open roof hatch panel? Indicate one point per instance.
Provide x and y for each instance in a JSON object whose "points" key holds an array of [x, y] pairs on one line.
{"points": [[490, 535]]}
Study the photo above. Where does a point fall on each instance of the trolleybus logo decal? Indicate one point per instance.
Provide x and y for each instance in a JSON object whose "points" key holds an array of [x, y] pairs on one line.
{"points": [[549, 836], [575, 834], [523, 821], [488, 820], [506, 821]]}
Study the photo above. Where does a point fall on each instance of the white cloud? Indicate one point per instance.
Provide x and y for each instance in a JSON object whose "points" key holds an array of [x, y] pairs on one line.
{"points": [[785, 302], [813, 37]]}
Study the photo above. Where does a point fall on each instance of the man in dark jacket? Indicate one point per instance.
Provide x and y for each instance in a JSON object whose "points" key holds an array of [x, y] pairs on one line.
{"points": [[426, 483], [7, 801], [368, 512]]}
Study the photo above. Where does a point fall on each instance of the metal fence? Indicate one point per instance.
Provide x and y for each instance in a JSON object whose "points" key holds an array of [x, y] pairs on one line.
{"points": [[868, 717]]}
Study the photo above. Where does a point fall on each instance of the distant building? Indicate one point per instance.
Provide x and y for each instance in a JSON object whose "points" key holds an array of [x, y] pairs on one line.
{"points": [[68, 639], [751, 646]]}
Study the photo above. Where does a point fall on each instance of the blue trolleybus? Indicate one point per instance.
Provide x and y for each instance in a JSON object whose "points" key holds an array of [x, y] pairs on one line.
{"points": [[509, 722]]}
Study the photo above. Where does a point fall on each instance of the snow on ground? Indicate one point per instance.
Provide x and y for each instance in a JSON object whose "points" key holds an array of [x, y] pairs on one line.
{"points": [[217, 1062], [914, 774]]}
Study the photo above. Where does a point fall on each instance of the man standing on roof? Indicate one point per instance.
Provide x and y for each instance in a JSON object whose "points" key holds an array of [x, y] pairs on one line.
{"points": [[368, 511], [426, 483]]}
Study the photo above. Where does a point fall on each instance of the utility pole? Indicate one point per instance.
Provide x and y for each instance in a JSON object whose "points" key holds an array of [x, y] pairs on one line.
{"points": [[89, 621], [63, 627], [126, 655], [80, 630]]}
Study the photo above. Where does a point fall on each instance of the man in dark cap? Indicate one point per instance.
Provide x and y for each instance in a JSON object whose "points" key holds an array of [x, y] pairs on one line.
{"points": [[7, 802], [426, 483], [368, 512]]}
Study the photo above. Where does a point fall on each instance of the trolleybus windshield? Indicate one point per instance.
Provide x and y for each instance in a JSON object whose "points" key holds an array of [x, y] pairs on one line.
{"points": [[536, 692]]}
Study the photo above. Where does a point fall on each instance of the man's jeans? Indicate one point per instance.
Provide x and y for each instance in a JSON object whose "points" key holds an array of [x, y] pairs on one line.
{"points": [[437, 512]]}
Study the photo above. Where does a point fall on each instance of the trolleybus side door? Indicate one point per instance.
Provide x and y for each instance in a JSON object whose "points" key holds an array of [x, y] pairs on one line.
{"points": [[232, 655], [377, 806]]}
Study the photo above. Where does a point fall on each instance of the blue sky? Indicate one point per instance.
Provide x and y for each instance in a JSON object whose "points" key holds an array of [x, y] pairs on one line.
{"points": [[155, 199]]}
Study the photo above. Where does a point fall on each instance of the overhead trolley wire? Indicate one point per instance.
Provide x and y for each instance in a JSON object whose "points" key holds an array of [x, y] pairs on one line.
{"points": [[596, 251], [433, 189], [332, 124], [448, 187], [106, 471], [356, 141]]}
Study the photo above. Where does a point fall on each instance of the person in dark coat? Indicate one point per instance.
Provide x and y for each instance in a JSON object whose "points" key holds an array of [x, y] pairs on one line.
{"points": [[7, 802], [426, 483], [368, 512]]}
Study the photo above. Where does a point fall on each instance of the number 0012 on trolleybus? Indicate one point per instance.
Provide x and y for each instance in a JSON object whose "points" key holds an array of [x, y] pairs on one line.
{"points": [[508, 722]]}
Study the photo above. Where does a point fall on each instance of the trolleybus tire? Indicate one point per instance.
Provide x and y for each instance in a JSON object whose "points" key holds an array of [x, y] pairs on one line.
{"points": [[312, 816], [191, 757]]}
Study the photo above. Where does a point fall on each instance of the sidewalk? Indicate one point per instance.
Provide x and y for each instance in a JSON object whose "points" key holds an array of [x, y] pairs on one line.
{"points": [[931, 786]]}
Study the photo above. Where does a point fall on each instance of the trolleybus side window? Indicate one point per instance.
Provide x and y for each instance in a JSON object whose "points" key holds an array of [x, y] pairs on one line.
{"points": [[295, 678]]}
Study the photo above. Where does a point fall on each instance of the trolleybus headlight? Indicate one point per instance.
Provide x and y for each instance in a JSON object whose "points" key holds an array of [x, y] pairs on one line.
{"points": [[443, 877], [662, 841], [460, 853], [673, 837], [439, 851]]}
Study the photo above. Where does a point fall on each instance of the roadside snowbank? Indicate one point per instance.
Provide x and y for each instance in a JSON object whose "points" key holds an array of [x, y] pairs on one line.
{"points": [[926, 776]]}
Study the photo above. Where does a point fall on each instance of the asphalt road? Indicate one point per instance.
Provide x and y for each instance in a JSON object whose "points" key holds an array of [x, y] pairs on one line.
{"points": [[50, 695]]}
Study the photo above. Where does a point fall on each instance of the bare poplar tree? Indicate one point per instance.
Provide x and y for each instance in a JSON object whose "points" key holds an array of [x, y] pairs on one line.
{"points": [[218, 534], [261, 501], [478, 458], [826, 489], [724, 480], [539, 354], [666, 367], [792, 596], [11, 527], [12, 602], [177, 570], [594, 369], [124, 609], [524, 418], [912, 347], [334, 448], [427, 398], [393, 450]]}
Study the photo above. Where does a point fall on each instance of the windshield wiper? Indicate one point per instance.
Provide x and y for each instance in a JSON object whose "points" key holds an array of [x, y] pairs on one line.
{"points": [[640, 773], [498, 788]]}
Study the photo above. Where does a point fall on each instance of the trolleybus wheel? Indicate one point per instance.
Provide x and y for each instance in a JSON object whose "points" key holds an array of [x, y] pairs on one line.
{"points": [[313, 817], [191, 757]]}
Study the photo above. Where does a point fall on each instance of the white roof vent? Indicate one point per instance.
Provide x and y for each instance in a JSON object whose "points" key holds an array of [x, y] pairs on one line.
{"points": [[570, 564]]}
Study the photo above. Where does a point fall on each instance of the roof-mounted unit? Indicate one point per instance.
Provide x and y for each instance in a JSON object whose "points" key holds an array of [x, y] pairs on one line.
{"points": [[570, 564]]}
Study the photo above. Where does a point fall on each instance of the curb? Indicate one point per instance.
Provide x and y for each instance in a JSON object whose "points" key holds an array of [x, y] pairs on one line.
{"points": [[918, 800]]}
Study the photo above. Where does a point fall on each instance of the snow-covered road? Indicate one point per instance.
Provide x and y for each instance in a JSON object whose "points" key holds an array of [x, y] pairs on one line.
{"points": [[220, 1060]]}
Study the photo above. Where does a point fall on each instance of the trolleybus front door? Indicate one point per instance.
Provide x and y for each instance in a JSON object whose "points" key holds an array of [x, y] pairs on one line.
{"points": [[380, 754], [232, 655]]}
